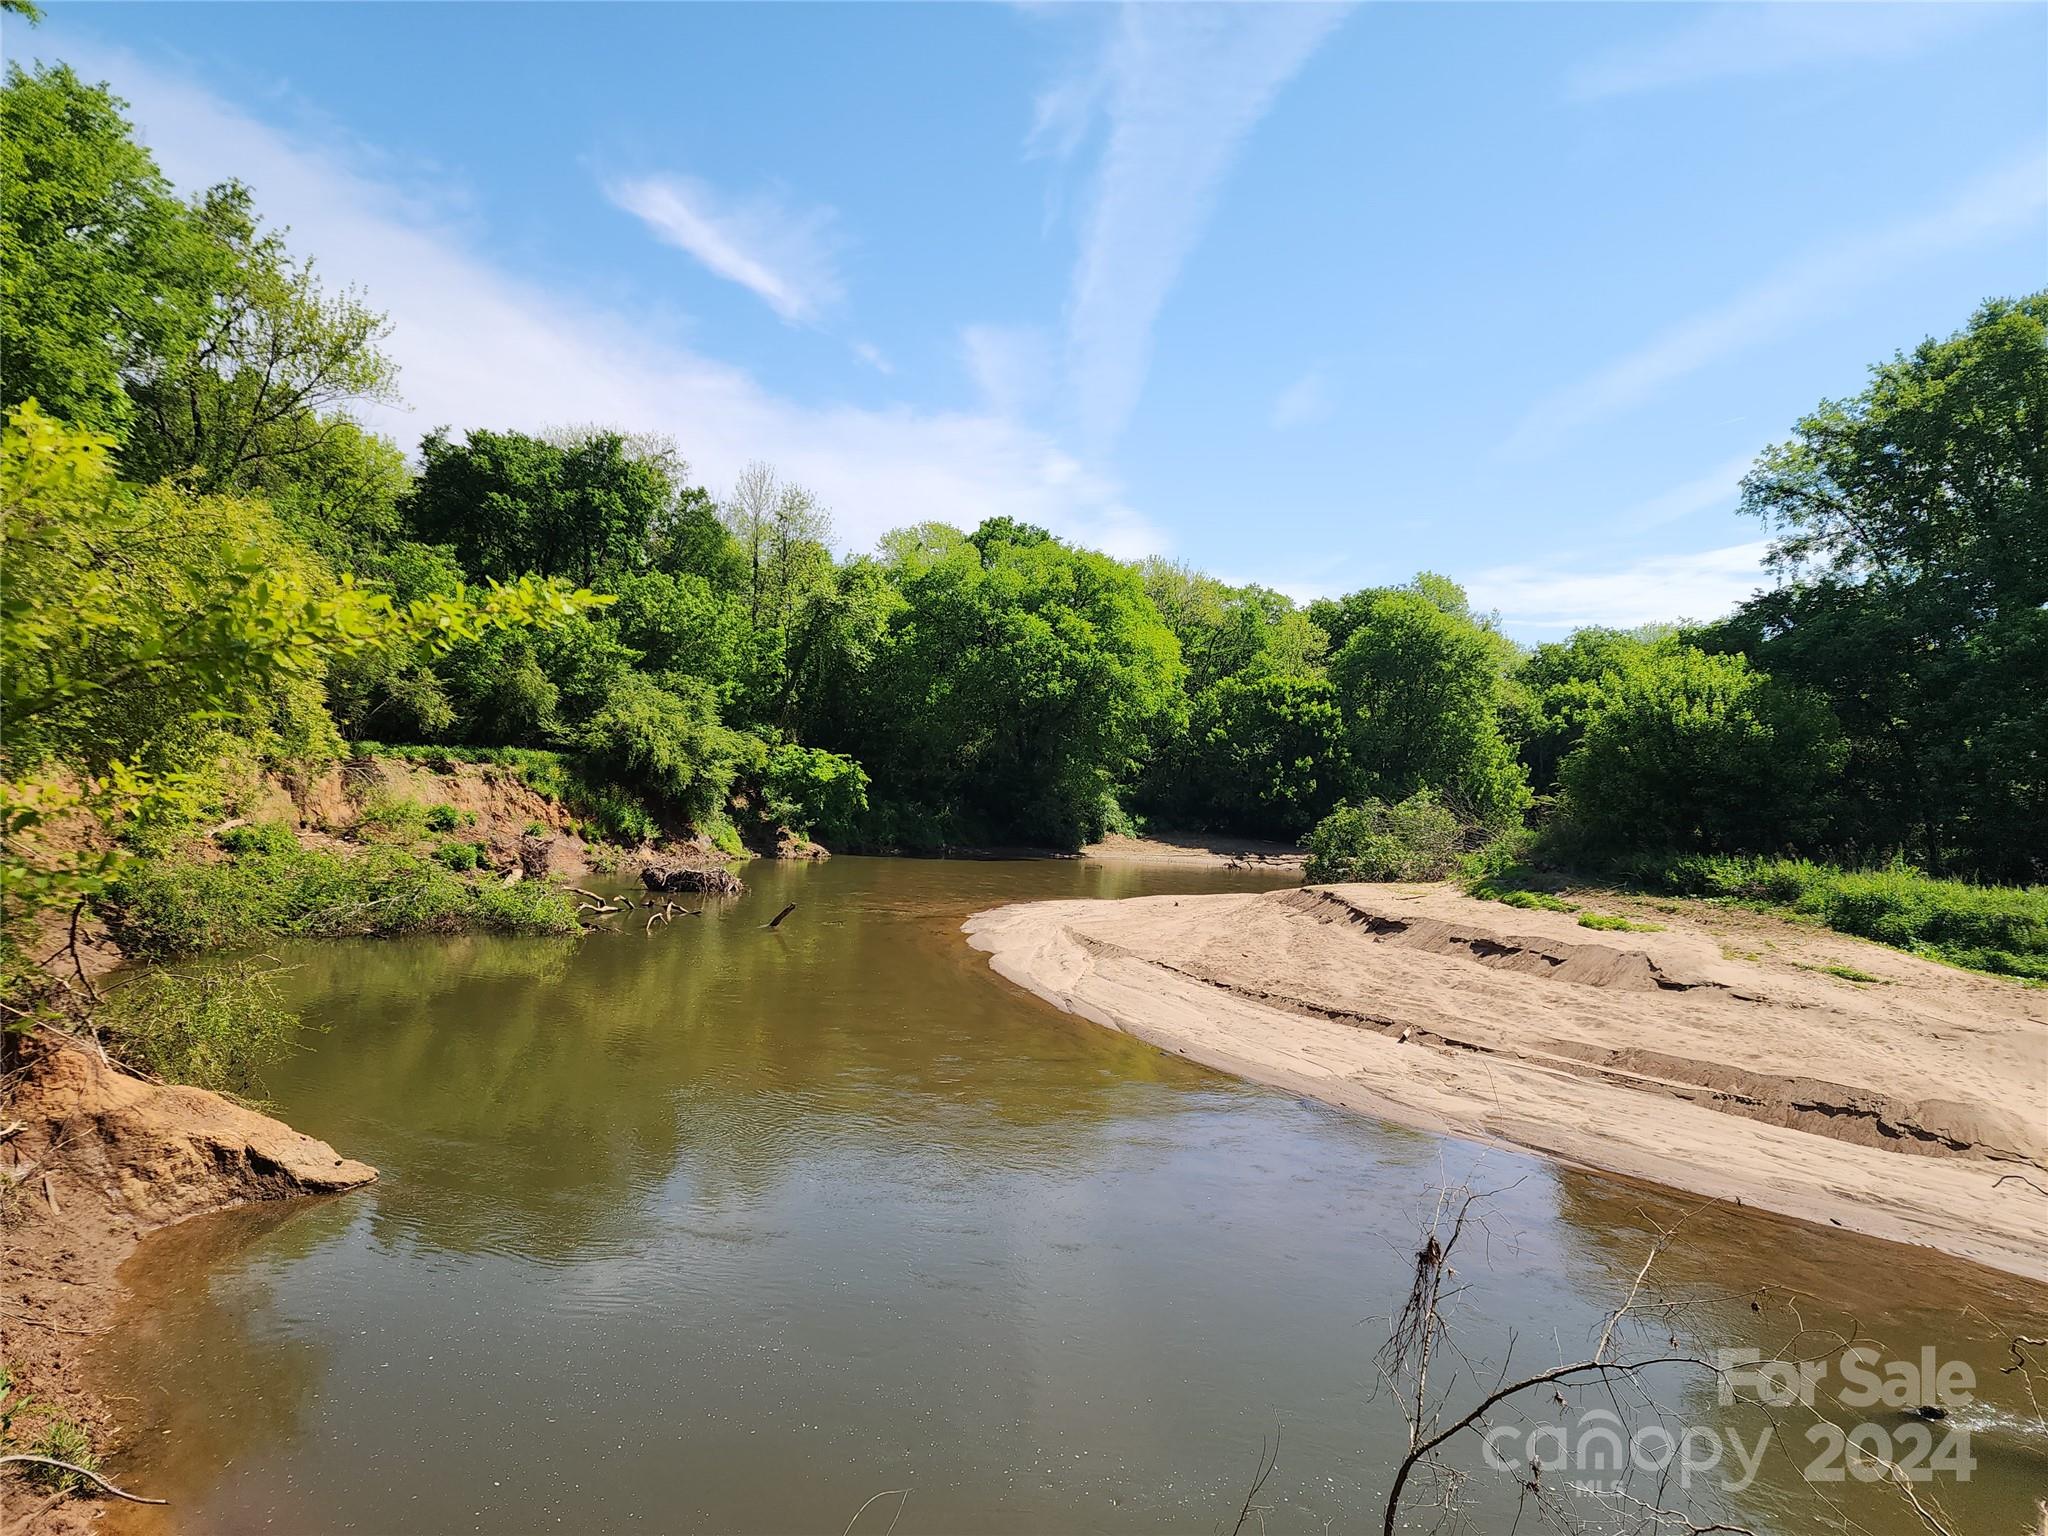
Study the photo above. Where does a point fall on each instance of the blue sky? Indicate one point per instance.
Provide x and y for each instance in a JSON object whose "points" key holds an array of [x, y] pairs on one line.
{"points": [[1314, 296]]}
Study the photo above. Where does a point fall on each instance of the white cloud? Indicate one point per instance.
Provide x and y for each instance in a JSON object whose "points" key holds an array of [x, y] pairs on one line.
{"points": [[1740, 40], [1304, 403], [783, 255], [478, 347], [1011, 365], [1719, 487], [1180, 88], [872, 355], [1821, 282], [1556, 597]]}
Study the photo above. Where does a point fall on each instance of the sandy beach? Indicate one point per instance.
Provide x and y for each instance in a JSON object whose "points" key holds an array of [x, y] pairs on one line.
{"points": [[1719, 1056]]}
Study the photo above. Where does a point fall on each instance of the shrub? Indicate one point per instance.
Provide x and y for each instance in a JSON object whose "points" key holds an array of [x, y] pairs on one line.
{"points": [[669, 745], [1417, 839], [459, 855], [814, 792], [1697, 752], [216, 1028], [162, 908], [257, 837], [443, 818]]}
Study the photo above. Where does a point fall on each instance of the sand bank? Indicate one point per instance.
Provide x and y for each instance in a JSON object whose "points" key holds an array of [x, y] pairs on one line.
{"points": [[1718, 1057]]}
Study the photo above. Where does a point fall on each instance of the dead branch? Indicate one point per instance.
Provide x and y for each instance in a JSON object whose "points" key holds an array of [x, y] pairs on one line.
{"points": [[901, 1493], [85, 1472], [776, 922], [1267, 1462]]}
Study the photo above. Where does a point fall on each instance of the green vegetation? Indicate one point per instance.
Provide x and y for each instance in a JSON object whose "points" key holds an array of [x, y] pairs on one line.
{"points": [[57, 1437], [160, 909], [215, 1028], [2002, 929], [213, 570], [1610, 923], [1417, 839]]}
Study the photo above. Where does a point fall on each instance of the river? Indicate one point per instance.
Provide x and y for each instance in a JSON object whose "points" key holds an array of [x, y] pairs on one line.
{"points": [[724, 1229]]}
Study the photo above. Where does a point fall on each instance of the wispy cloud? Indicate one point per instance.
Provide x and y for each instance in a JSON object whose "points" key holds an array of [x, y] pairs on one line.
{"points": [[1011, 365], [873, 356], [1719, 488], [1821, 282], [1306, 402], [1557, 597], [1177, 89], [478, 347], [783, 255], [1743, 40]]}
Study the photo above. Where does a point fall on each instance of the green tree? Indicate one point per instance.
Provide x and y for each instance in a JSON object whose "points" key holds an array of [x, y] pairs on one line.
{"points": [[1422, 690], [104, 273], [508, 503], [1695, 752], [134, 623], [258, 396], [1563, 682], [1013, 691], [1911, 537], [1263, 756]]}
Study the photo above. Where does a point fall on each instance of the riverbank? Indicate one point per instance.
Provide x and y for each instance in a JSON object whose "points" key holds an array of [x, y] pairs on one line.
{"points": [[98, 1160], [1728, 1055], [1195, 850]]}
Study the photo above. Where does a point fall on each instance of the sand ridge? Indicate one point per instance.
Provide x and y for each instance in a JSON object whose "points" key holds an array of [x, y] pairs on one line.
{"points": [[1912, 1107]]}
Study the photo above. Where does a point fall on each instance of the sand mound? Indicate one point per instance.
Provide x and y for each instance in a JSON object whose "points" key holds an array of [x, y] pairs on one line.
{"points": [[1740, 1069]]}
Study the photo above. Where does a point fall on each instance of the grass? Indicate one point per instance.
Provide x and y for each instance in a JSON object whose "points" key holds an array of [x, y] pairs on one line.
{"points": [[164, 908], [1609, 923], [2002, 929], [1850, 973]]}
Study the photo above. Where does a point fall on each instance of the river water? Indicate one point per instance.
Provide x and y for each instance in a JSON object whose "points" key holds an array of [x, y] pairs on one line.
{"points": [[723, 1229]]}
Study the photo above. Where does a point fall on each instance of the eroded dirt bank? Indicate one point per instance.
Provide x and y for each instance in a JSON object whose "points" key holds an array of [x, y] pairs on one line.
{"points": [[98, 1160], [1913, 1106]]}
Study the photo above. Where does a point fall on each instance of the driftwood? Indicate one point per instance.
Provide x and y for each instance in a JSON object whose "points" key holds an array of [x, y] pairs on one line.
{"points": [[777, 922], [687, 877], [52, 1461]]}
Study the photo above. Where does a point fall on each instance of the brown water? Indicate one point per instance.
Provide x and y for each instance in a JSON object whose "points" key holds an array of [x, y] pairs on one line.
{"points": [[730, 1230]]}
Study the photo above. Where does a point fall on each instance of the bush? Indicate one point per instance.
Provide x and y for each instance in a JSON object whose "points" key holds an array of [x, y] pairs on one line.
{"points": [[1417, 839], [1701, 753], [459, 855], [443, 818], [668, 745], [813, 792], [162, 908], [215, 1029], [258, 837]]}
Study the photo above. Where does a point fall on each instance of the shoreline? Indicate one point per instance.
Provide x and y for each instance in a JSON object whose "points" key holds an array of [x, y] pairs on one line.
{"points": [[1718, 1057], [110, 1159]]}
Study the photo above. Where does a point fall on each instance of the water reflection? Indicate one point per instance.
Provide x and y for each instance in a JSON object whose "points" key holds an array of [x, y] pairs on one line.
{"points": [[729, 1229]]}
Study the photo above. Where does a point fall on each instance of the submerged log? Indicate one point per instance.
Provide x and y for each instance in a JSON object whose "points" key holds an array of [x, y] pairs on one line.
{"points": [[688, 877]]}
